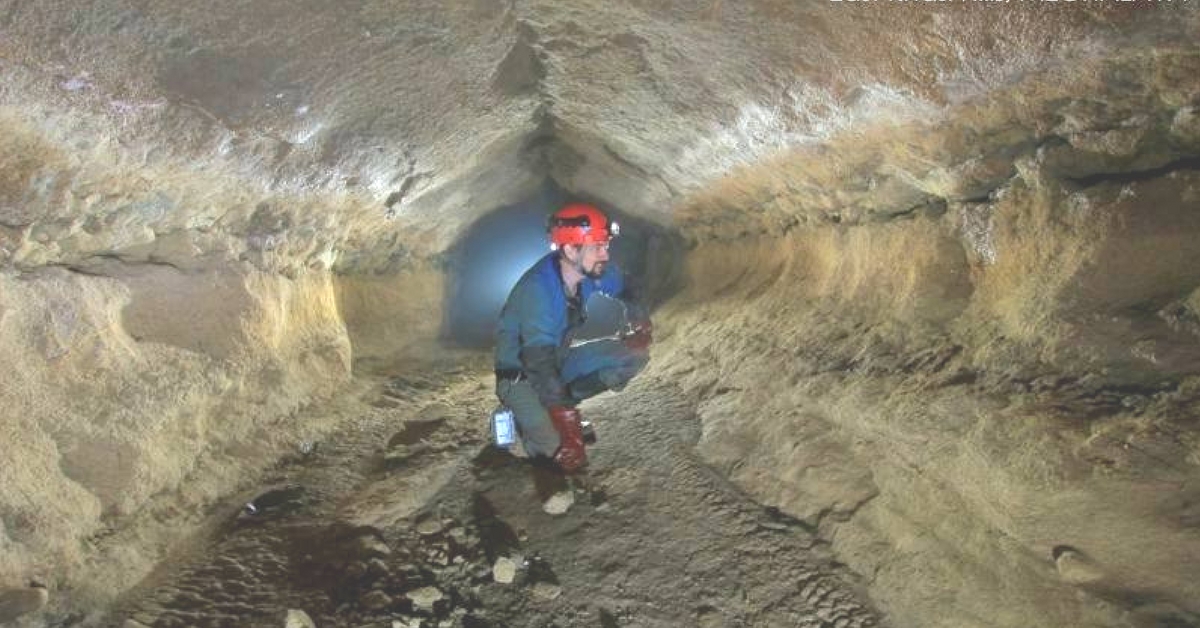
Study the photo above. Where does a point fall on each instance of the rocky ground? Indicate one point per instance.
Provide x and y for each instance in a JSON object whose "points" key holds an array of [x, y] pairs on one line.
{"points": [[408, 518]]}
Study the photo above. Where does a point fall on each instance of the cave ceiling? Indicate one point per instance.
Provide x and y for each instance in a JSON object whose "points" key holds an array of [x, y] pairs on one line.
{"points": [[369, 118]]}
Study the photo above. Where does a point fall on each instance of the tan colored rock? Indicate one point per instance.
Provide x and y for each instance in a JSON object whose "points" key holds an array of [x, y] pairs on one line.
{"points": [[297, 618], [430, 526], [1186, 124], [559, 503], [425, 597], [546, 591], [376, 600], [1076, 568], [372, 546], [504, 570]]}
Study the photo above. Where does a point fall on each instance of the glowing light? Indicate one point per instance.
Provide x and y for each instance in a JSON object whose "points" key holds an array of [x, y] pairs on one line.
{"points": [[489, 260]]}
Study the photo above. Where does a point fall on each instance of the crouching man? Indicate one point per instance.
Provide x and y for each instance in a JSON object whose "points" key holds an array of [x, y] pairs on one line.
{"points": [[539, 375]]}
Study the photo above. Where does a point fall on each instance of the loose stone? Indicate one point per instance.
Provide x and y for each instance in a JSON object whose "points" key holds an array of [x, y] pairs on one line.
{"points": [[504, 570], [546, 591], [429, 526], [377, 568], [425, 597], [1074, 567], [371, 546], [559, 503], [376, 600], [297, 618]]}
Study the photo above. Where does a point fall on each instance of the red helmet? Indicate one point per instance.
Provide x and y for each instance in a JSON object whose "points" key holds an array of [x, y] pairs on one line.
{"points": [[579, 223]]}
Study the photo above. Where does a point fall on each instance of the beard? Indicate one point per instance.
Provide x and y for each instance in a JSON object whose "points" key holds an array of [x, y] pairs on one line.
{"points": [[596, 271]]}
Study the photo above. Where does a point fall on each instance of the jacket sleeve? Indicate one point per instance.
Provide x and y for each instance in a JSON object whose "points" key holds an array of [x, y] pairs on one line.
{"points": [[540, 337]]}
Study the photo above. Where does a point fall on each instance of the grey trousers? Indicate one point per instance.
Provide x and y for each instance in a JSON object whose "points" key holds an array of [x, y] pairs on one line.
{"points": [[535, 430], [612, 367]]}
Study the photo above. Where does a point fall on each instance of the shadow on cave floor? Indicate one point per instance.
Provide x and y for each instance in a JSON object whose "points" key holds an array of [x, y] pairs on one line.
{"points": [[409, 518]]}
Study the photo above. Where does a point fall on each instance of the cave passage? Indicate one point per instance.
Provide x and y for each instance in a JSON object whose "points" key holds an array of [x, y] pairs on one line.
{"points": [[923, 278], [488, 259]]}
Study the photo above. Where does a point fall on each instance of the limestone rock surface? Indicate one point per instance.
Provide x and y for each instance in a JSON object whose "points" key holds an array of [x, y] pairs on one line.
{"points": [[930, 284]]}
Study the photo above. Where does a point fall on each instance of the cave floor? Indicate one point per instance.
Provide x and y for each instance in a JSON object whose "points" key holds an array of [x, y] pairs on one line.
{"points": [[407, 517]]}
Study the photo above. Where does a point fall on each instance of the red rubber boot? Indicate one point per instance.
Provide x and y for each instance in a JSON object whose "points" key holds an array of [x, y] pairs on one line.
{"points": [[571, 455]]}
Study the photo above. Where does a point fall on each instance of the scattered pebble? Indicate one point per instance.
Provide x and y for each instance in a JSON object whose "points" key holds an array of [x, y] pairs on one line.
{"points": [[559, 503], [429, 526], [505, 570], [297, 619], [1074, 567], [546, 591], [377, 568], [376, 600], [371, 546], [709, 618], [425, 597]]}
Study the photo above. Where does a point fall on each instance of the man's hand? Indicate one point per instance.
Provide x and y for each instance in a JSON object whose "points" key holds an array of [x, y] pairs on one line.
{"points": [[639, 335], [571, 455]]}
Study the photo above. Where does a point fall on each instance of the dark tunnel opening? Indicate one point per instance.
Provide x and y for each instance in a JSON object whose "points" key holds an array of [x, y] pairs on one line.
{"points": [[489, 259]]}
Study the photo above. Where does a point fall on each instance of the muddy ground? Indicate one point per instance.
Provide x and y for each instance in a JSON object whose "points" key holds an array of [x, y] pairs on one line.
{"points": [[409, 518]]}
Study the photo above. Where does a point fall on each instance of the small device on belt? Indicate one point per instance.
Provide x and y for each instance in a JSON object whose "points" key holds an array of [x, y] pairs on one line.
{"points": [[504, 432]]}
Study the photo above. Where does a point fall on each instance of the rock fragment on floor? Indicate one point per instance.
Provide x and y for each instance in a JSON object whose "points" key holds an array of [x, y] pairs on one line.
{"points": [[505, 570], [297, 618], [429, 527], [376, 600], [1074, 566], [425, 597], [559, 503], [546, 591], [371, 546]]}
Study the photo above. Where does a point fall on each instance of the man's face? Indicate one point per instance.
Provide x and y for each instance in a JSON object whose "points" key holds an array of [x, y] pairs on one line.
{"points": [[592, 259]]}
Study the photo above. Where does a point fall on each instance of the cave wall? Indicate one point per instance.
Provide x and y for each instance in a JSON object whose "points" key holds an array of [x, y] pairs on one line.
{"points": [[393, 318], [162, 329], [142, 381], [984, 391]]}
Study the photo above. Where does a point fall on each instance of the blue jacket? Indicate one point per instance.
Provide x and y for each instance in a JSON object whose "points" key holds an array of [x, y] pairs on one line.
{"points": [[533, 334]]}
